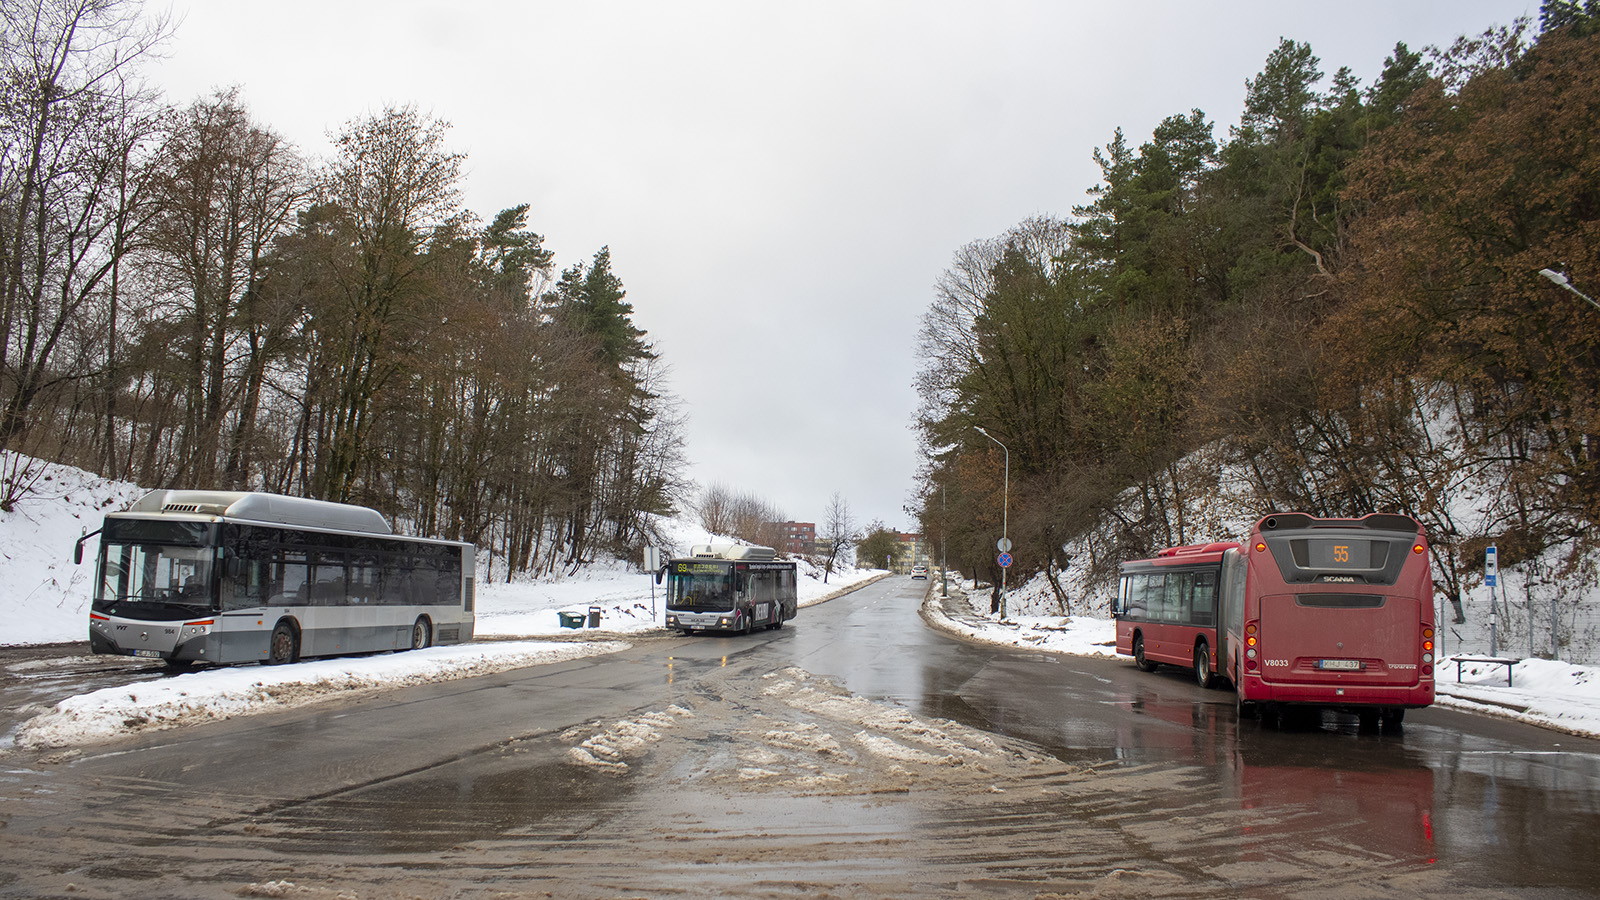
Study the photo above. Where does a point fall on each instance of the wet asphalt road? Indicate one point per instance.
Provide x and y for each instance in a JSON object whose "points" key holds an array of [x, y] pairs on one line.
{"points": [[467, 789]]}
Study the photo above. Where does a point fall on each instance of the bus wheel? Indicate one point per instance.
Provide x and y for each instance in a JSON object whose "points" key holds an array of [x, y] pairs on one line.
{"points": [[421, 634], [1244, 709], [1138, 656], [284, 646], [1202, 665]]}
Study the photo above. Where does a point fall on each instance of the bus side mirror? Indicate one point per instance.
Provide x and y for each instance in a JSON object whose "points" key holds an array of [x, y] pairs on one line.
{"points": [[77, 549], [661, 572]]}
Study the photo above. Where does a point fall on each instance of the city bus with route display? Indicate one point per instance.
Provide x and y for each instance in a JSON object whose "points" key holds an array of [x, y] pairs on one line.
{"points": [[730, 588], [227, 577], [1310, 612]]}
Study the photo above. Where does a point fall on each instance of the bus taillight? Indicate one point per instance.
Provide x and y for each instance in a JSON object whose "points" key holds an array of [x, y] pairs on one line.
{"points": [[1427, 644], [1416, 548], [1250, 641]]}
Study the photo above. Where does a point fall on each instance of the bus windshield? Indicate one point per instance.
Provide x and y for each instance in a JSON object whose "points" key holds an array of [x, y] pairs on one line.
{"points": [[706, 586], [157, 570]]}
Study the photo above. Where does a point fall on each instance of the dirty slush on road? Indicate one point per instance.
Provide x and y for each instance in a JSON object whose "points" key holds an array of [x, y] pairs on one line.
{"points": [[783, 786]]}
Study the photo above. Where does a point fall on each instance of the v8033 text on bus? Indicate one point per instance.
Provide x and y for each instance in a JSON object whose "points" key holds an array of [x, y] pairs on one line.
{"points": [[226, 577]]}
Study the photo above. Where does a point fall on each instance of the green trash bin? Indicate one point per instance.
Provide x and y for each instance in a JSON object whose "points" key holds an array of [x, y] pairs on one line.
{"points": [[571, 620]]}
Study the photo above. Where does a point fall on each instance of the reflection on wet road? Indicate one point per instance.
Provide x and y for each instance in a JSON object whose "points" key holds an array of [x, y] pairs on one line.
{"points": [[855, 754]]}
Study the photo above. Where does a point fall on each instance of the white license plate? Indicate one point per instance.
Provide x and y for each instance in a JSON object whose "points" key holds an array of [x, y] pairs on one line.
{"points": [[147, 654], [1346, 664]]}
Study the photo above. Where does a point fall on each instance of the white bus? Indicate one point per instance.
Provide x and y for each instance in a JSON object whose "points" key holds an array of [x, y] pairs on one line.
{"points": [[228, 577], [722, 588]]}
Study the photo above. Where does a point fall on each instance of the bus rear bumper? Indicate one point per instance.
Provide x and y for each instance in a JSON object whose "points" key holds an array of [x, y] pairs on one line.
{"points": [[1412, 696]]}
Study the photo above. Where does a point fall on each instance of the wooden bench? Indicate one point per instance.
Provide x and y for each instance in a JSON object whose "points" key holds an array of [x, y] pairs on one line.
{"points": [[1493, 660]]}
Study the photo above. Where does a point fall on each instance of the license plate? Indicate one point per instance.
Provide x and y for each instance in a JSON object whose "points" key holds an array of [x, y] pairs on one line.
{"points": [[147, 654], [1345, 664]]}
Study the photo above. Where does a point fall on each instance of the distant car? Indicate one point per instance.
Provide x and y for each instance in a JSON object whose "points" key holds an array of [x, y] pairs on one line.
{"points": [[919, 571]]}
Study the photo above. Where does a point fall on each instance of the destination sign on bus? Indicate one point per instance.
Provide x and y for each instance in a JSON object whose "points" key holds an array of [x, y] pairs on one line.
{"points": [[699, 568], [1340, 554]]}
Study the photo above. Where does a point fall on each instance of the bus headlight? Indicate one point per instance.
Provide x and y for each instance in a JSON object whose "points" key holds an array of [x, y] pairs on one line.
{"points": [[192, 630]]}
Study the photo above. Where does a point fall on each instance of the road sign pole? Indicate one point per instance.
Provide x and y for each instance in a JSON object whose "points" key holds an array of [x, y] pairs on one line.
{"points": [[1491, 577]]}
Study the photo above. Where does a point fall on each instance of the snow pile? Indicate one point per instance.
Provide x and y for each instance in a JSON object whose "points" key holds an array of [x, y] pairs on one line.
{"points": [[44, 597], [1543, 692], [1074, 635], [227, 692]]}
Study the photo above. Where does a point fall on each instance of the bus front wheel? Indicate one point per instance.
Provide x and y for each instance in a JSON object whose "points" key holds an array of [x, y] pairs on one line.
{"points": [[284, 647], [421, 634], [1138, 655]]}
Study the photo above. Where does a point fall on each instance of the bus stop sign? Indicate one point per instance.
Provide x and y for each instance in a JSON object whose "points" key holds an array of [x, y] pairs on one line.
{"points": [[1491, 566]]}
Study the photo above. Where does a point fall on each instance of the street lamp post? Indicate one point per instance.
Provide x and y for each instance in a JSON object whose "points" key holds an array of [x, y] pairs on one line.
{"points": [[1005, 504], [1555, 648], [1562, 280]]}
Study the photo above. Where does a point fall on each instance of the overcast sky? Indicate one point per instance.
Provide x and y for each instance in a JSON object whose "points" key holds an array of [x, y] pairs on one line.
{"points": [[780, 183]]}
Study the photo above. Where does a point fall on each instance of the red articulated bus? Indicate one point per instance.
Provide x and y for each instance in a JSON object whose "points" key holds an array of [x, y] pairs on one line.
{"points": [[1319, 612]]}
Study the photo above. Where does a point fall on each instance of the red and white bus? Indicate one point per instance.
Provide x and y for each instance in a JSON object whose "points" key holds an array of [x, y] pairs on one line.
{"points": [[1332, 612], [1169, 608], [1310, 612]]}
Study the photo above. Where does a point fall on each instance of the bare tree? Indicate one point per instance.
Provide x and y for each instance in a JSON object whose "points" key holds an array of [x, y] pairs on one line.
{"points": [[838, 533], [227, 190], [73, 119], [392, 186]]}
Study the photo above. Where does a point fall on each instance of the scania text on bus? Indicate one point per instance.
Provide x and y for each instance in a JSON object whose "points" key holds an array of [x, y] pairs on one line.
{"points": [[726, 588], [225, 577]]}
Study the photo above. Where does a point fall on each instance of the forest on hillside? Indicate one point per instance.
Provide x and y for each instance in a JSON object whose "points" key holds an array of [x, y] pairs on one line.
{"points": [[1351, 303], [187, 301]]}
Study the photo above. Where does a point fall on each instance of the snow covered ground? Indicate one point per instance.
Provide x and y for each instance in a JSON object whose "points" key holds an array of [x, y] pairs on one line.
{"points": [[44, 599]]}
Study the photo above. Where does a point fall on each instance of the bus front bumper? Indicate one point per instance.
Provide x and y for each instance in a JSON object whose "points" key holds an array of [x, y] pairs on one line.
{"points": [[732, 619], [181, 641]]}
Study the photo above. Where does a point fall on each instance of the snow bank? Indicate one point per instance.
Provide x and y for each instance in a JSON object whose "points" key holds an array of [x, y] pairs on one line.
{"points": [[224, 693]]}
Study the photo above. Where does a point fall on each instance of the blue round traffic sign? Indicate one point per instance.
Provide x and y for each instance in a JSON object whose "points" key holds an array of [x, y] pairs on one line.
{"points": [[1005, 560]]}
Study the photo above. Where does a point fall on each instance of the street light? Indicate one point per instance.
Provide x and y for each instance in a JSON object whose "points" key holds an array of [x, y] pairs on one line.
{"points": [[1005, 504], [1562, 281]]}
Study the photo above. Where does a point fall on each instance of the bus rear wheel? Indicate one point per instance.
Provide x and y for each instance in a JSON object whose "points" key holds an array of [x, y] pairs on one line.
{"points": [[1202, 665], [1138, 656], [284, 646], [421, 634]]}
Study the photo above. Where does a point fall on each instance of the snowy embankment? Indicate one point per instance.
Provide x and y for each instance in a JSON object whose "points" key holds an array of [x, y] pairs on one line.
{"points": [[44, 599]]}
